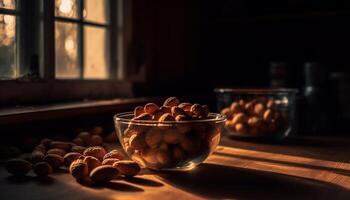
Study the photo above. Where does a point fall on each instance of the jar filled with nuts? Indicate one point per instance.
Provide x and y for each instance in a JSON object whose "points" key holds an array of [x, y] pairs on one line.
{"points": [[173, 136], [257, 113]]}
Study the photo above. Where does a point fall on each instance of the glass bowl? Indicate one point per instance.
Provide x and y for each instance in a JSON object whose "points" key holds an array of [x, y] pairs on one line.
{"points": [[169, 145], [257, 113]]}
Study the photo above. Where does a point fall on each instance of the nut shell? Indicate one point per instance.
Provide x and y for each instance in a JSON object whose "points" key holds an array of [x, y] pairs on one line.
{"points": [[70, 157], [127, 167], [54, 160], [103, 173], [79, 169], [97, 152], [42, 169], [114, 154], [18, 167]]}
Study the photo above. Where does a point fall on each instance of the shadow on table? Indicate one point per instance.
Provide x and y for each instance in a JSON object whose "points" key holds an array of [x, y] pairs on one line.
{"points": [[47, 180], [113, 185], [311, 147], [217, 181], [143, 181]]}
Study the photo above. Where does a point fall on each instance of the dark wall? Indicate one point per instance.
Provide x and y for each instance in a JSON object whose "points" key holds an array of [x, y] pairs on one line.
{"points": [[197, 45]]}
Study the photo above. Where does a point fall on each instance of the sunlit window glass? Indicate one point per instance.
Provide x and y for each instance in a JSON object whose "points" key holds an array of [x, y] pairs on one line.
{"points": [[96, 11], [8, 67], [66, 44], [8, 4], [66, 8], [96, 53]]}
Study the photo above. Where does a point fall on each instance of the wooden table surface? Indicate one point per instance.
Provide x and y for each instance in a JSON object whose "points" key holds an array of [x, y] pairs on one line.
{"points": [[296, 168]]}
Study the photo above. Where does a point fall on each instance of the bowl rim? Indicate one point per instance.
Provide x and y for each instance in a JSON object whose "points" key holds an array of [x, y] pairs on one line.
{"points": [[257, 90], [217, 118]]}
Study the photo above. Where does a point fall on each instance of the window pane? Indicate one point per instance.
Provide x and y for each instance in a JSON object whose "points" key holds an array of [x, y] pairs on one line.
{"points": [[66, 44], [96, 53], [8, 67], [9, 4], [66, 8], [96, 11]]}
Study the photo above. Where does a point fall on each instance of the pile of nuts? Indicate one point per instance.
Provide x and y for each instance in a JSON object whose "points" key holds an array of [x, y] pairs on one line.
{"points": [[81, 157], [164, 144], [257, 117]]}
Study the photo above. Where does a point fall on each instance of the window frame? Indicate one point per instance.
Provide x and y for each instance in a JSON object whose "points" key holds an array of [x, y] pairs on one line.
{"points": [[30, 91]]}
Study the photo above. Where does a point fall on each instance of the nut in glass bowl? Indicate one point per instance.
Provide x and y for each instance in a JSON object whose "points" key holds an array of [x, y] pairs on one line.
{"points": [[169, 145], [257, 113]]}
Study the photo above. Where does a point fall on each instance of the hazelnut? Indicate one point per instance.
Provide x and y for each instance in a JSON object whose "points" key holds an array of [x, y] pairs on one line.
{"points": [[114, 154], [18, 167], [79, 169], [185, 106], [171, 101], [163, 157], [59, 152], [153, 137], [171, 136], [239, 118], [235, 107], [138, 111], [103, 173], [166, 117], [109, 161], [144, 116], [97, 152], [127, 167], [268, 115], [78, 149], [259, 109], [60, 145], [70, 157], [175, 111], [91, 162], [254, 121], [137, 142], [149, 155], [151, 108], [36, 156], [56, 161], [42, 169], [241, 128]]}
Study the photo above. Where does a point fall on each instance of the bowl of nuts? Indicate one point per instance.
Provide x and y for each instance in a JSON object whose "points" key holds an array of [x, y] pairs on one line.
{"points": [[175, 136], [257, 113]]}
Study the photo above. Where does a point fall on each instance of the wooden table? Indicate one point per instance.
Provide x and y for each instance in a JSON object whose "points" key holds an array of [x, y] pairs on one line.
{"points": [[297, 168]]}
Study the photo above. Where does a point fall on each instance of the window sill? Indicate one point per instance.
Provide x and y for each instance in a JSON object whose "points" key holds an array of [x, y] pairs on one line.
{"points": [[27, 114]]}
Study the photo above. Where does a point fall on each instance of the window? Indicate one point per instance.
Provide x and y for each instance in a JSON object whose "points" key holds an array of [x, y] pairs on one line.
{"points": [[63, 49], [8, 39], [82, 39]]}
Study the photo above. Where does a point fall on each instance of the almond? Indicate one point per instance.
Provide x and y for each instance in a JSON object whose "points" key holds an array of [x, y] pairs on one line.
{"points": [[97, 152], [138, 111], [127, 167], [114, 154], [78, 149], [36, 156], [103, 173], [91, 162], [96, 140], [97, 130], [42, 169], [60, 145], [109, 161], [60, 152], [70, 157], [79, 169], [18, 167], [54, 160], [171, 101], [150, 108], [137, 142]]}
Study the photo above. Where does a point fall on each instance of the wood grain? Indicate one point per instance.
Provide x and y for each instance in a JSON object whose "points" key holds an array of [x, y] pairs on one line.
{"points": [[297, 168]]}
